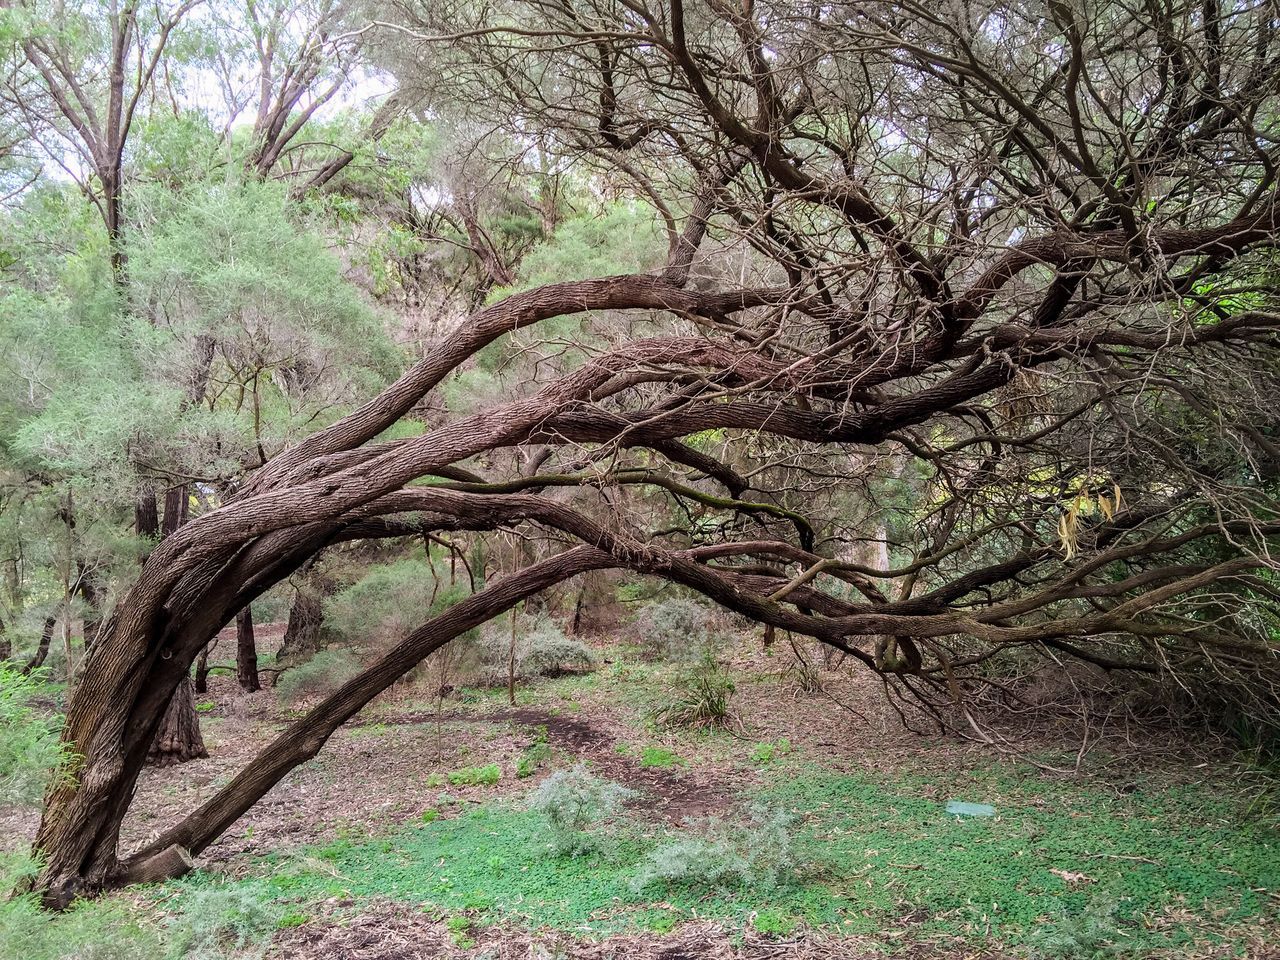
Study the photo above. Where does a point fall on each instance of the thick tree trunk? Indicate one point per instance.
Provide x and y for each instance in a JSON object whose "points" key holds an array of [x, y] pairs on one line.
{"points": [[178, 739], [246, 652]]}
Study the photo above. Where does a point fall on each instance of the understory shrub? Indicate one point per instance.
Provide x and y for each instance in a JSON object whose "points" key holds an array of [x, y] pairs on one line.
{"points": [[89, 930], [541, 650], [321, 675], [29, 747], [218, 920], [675, 629], [700, 698], [574, 803], [755, 853]]}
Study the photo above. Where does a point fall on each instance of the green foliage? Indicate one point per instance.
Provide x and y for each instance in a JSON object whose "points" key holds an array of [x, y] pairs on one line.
{"points": [[29, 746], [218, 919], [756, 853], [89, 930], [700, 699], [1092, 935], [319, 676], [764, 753], [487, 775], [574, 802], [387, 601], [622, 239], [534, 755], [660, 757], [868, 851]]}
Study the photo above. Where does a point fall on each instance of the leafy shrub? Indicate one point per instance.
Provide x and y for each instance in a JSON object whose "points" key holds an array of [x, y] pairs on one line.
{"points": [[319, 676], [542, 650], [573, 801], [701, 697], [487, 775], [89, 930], [757, 854], [218, 920], [29, 746], [674, 629]]}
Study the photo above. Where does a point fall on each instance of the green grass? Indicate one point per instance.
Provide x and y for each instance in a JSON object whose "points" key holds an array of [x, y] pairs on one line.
{"points": [[874, 853], [661, 758]]}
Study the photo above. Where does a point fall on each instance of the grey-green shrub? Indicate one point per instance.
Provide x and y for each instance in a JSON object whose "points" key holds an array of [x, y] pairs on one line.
{"points": [[218, 920], [675, 628], [321, 675], [757, 853], [541, 650], [574, 802], [29, 746]]}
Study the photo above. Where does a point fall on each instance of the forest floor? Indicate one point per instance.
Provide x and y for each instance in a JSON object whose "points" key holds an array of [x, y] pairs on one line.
{"points": [[410, 835]]}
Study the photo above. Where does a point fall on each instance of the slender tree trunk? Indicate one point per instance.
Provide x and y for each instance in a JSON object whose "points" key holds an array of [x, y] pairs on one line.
{"points": [[201, 681], [246, 652], [42, 651], [178, 739]]}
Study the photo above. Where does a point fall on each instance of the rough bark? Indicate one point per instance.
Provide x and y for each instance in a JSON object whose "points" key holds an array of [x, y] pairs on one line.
{"points": [[302, 633], [246, 652], [178, 739]]}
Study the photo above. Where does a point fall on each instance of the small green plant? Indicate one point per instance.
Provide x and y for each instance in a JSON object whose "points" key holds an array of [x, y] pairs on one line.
{"points": [[459, 928], [29, 747], [659, 757], [574, 802], [293, 918], [764, 753], [1090, 935], [773, 923], [430, 815], [487, 775], [701, 699], [536, 754], [208, 706]]}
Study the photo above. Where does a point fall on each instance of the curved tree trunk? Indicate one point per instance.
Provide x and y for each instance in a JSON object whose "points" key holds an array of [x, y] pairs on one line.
{"points": [[246, 652]]}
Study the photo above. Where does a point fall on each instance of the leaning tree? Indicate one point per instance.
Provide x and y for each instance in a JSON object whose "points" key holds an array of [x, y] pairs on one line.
{"points": [[1018, 252]]}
